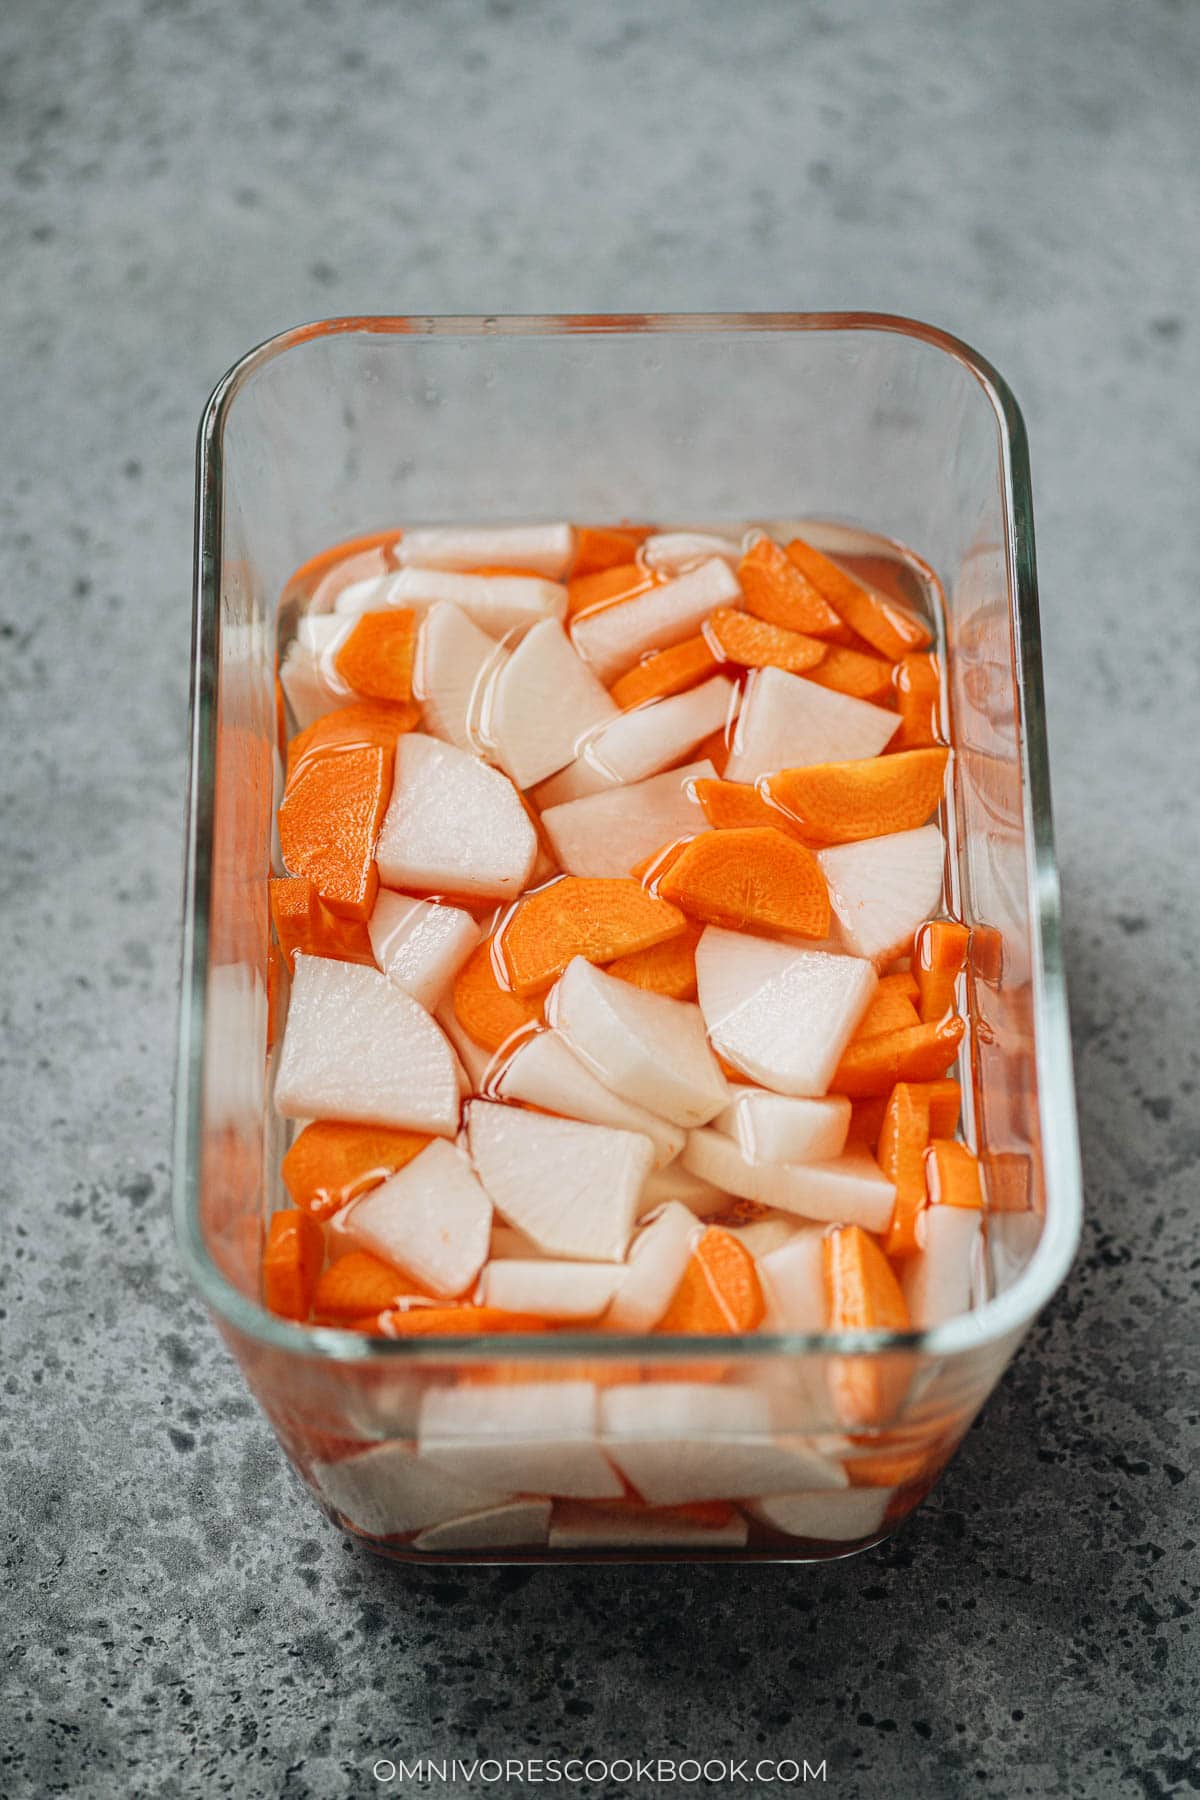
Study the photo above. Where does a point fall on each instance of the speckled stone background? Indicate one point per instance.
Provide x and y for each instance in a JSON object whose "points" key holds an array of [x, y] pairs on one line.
{"points": [[180, 180]]}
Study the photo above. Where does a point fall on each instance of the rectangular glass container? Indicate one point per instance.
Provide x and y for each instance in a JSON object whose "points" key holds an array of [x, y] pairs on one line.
{"points": [[351, 426]]}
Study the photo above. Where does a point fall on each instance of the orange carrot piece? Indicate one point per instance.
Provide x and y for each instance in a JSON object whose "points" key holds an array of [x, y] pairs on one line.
{"points": [[858, 673], [607, 586], [714, 749], [302, 923], [886, 625], [456, 1321], [874, 1065], [719, 1292], [945, 1100], [488, 1012], [752, 875], [600, 547], [600, 918], [741, 638], [318, 582], [903, 1140], [376, 659], [329, 1163], [774, 589], [668, 968], [918, 688], [355, 727], [862, 1294], [890, 1010], [843, 802], [275, 993], [899, 1467], [939, 957], [648, 870], [291, 1263], [729, 804], [329, 822], [357, 1284], [666, 672], [952, 1172]]}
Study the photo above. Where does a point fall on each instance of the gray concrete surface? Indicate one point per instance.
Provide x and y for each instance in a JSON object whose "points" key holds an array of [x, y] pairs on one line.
{"points": [[181, 180]]}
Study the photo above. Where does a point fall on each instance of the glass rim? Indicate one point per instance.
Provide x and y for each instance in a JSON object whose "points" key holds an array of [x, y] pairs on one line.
{"points": [[990, 1324]]}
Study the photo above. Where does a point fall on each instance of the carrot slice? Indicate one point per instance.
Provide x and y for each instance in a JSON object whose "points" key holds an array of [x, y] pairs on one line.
{"points": [[755, 644], [874, 1065], [897, 1468], [318, 582], [891, 1009], [886, 625], [774, 589], [329, 1163], [858, 673], [376, 659], [607, 586], [455, 1321], [329, 822], [600, 547], [939, 957], [666, 672], [945, 1100], [354, 727], [729, 804], [488, 1012], [302, 923], [295, 1250], [918, 688], [719, 1292], [600, 918], [843, 802], [714, 749], [648, 870], [357, 1284], [903, 1140], [753, 875], [668, 968], [952, 1172], [862, 1294]]}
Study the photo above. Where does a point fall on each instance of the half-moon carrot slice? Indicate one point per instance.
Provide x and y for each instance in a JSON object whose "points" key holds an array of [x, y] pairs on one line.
{"points": [[357, 1284], [774, 589], [854, 672], [873, 1065], [329, 822], [952, 1173], [599, 547], [863, 1294], [903, 1141], [488, 1012], [329, 1163], [668, 968], [354, 727], [457, 1321], [890, 1009], [292, 1258], [918, 688], [741, 638], [720, 1291], [619, 583], [844, 802], [886, 625], [596, 917], [749, 876], [376, 659], [666, 672], [939, 955], [303, 924], [730, 804]]}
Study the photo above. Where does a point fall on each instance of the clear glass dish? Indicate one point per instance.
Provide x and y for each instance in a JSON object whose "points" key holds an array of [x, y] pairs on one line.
{"points": [[881, 424]]}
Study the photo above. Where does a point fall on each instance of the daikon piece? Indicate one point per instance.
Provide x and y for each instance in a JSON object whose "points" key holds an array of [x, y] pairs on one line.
{"points": [[883, 888], [657, 1260], [761, 1236], [370, 594], [793, 1284], [307, 672], [781, 1015], [830, 1518], [787, 722], [453, 825], [497, 603], [544, 1072], [538, 1437], [387, 1491], [640, 743], [517, 1525], [646, 1048], [356, 1048], [541, 704], [533, 549], [663, 1186], [572, 1188], [578, 1526], [612, 638], [850, 1190], [777, 1128], [433, 1219], [454, 663], [606, 833], [937, 1281], [669, 552], [473, 1060], [550, 1289], [420, 945], [678, 1440]]}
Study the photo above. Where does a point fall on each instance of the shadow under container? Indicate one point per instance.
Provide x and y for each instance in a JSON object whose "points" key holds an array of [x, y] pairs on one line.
{"points": [[358, 425]]}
